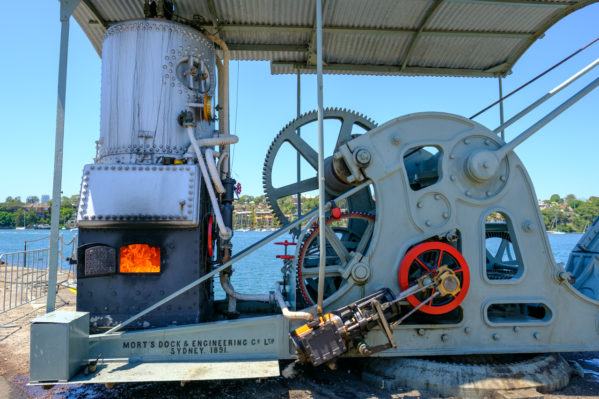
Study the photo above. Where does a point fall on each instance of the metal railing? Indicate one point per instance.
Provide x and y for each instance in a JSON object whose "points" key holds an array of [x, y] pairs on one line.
{"points": [[24, 274]]}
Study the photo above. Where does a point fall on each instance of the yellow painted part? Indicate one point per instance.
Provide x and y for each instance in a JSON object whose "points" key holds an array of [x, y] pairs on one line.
{"points": [[302, 330]]}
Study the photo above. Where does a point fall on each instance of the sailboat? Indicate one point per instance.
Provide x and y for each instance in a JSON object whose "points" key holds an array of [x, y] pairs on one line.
{"points": [[555, 230], [22, 228]]}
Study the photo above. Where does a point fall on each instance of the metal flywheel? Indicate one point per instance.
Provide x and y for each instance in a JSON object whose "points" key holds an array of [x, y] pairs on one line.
{"points": [[344, 237], [361, 201]]}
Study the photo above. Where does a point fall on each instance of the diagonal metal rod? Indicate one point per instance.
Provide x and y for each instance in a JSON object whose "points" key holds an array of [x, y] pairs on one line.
{"points": [[535, 78], [247, 251], [547, 96], [503, 151]]}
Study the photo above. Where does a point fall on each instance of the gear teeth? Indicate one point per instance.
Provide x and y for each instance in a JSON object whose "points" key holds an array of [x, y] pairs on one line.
{"points": [[303, 119]]}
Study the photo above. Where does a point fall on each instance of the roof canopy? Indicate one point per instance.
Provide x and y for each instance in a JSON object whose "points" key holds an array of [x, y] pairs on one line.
{"points": [[374, 37]]}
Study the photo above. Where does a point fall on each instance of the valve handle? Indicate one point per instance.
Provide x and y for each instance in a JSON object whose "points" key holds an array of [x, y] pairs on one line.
{"points": [[286, 243]]}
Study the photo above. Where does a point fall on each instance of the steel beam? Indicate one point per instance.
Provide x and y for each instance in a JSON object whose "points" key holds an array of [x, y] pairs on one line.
{"points": [[528, 3], [388, 69], [366, 31], [66, 10], [268, 47], [90, 6], [412, 45]]}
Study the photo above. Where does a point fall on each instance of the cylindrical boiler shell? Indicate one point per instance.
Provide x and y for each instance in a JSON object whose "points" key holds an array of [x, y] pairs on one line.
{"points": [[144, 89]]}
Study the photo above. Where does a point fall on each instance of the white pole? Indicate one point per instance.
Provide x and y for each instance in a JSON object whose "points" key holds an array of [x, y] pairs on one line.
{"points": [[66, 9], [321, 199]]}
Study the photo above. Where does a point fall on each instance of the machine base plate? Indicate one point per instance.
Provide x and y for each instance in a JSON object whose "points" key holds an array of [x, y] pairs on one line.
{"points": [[116, 371]]}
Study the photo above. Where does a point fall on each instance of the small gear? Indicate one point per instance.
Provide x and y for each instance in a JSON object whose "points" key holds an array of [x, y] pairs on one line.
{"points": [[351, 229], [361, 201]]}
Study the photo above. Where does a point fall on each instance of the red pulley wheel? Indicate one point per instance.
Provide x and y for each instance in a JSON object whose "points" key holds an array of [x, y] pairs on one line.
{"points": [[427, 258]]}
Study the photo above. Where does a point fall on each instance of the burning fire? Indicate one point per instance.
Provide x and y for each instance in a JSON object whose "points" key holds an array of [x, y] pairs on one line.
{"points": [[140, 258]]}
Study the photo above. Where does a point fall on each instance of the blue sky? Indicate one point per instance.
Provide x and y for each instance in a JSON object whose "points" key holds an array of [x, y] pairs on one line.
{"points": [[561, 158]]}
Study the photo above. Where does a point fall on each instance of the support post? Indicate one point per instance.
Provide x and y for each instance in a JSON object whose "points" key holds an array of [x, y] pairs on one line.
{"points": [[501, 108], [321, 199], [66, 9], [298, 131]]}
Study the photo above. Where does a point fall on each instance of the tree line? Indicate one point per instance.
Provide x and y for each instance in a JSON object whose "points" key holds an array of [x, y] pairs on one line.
{"points": [[569, 214], [16, 213]]}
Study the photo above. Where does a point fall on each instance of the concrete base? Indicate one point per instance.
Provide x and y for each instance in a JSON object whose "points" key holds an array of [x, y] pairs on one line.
{"points": [[475, 379]]}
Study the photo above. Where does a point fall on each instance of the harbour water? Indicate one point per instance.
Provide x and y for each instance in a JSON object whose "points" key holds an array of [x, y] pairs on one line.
{"points": [[255, 274]]}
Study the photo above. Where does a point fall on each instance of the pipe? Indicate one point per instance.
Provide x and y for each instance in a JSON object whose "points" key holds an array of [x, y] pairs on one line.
{"points": [[225, 232], [221, 159], [217, 140], [223, 89], [288, 314], [241, 255], [225, 282], [213, 141], [218, 184]]}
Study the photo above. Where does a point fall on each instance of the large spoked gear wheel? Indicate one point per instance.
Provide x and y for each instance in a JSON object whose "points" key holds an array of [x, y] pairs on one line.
{"points": [[350, 232], [361, 201]]}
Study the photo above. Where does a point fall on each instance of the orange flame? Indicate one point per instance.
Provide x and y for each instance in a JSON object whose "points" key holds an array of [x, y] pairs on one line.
{"points": [[140, 258]]}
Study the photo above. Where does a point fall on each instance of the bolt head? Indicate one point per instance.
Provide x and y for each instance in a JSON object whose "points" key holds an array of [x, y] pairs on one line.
{"points": [[482, 165], [527, 226], [363, 157]]}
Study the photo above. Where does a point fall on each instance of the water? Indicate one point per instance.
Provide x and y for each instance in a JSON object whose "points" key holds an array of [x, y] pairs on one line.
{"points": [[13, 240], [256, 273]]}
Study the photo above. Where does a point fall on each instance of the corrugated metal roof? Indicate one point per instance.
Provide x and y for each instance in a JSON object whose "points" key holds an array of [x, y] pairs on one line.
{"points": [[382, 37]]}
